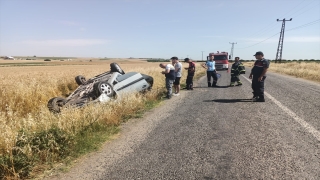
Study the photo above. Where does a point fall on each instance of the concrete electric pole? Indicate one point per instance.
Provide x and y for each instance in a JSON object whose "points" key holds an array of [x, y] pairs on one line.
{"points": [[280, 44], [202, 55], [231, 54]]}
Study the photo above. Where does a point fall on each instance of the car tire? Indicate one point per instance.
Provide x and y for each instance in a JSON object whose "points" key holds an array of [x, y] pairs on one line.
{"points": [[103, 88], [55, 104], [116, 68], [80, 80]]}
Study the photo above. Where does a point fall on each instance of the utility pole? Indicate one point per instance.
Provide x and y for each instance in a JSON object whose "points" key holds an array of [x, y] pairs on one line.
{"points": [[231, 54], [202, 55], [280, 44]]}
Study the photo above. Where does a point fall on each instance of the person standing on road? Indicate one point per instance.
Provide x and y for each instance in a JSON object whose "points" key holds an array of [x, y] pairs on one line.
{"points": [[178, 72], [191, 71], [258, 76], [211, 71], [169, 73], [236, 69]]}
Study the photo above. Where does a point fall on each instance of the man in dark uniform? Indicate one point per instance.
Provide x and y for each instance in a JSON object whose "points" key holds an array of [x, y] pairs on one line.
{"points": [[258, 76], [191, 70], [237, 69]]}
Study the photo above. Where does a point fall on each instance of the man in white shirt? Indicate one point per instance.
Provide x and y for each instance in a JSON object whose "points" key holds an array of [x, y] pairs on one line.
{"points": [[178, 72]]}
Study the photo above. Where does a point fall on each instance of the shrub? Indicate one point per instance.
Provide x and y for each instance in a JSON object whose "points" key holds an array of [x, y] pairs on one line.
{"points": [[20, 162], [47, 60]]}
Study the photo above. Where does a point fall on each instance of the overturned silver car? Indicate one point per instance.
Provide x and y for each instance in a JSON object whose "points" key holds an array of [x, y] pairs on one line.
{"points": [[102, 88]]}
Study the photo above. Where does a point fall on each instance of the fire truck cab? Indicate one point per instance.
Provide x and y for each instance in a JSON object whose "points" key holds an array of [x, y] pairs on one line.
{"points": [[221, 59]]}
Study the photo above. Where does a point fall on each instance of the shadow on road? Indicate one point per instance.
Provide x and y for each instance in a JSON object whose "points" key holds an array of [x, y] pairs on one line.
{"points": [[228, 100], [221, 87], [210, 87]]}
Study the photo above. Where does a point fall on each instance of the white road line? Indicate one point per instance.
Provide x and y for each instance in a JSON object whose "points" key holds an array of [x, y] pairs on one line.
{"points": [[302, 122]]}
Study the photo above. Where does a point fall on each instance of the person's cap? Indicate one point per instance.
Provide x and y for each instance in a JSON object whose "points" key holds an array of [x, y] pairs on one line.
{"points": [[258, 53], [186, 59], [174, 58]]}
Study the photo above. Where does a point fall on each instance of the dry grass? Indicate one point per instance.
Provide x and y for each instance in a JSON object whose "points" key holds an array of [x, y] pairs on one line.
{"points": [[25, 92], [304, 70]]}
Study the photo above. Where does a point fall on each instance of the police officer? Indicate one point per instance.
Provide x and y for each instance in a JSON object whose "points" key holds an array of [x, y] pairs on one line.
{"points": [[211, 71], [237, 69], [258, 76]]}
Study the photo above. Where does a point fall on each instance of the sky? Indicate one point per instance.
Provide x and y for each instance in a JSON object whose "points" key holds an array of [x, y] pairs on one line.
{"points": [[159, 28]]}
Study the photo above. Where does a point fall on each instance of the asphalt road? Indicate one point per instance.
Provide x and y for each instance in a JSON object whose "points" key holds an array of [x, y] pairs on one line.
{"points": [[218, 133]]}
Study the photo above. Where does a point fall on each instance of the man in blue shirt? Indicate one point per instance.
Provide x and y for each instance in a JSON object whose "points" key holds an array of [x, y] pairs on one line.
{"points": [[211, 71]]}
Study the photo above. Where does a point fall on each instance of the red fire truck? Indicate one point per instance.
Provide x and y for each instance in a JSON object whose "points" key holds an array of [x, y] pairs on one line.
{"points": [[221, 59]]}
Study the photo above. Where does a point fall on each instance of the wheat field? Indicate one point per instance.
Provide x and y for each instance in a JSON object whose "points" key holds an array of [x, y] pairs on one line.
{"points": [[25, 91], [303, 70]]}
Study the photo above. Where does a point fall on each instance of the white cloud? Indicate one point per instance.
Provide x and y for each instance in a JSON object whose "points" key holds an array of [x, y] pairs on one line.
{"points": [[65, 42]]}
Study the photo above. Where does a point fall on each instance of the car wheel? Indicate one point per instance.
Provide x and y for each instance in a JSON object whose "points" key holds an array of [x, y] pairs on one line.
{"points": [[116, 68], [55, 104], [80, 80], [103, 88]]}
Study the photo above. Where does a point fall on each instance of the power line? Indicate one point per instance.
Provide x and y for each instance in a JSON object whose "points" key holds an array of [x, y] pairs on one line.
{"points": [[269, 29], [273, 24], [303, 8], [260, 41], [293, 8], [298, 27], [307, 10], [305, 25]]}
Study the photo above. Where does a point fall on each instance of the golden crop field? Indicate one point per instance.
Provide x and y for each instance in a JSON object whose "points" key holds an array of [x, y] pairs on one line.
{"points": [[309, 70], [25, 91]]}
